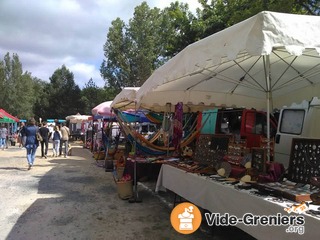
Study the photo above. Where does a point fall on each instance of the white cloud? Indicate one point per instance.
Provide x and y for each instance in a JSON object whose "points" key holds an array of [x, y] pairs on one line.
{"points": [[83, 72], [47, 34]]}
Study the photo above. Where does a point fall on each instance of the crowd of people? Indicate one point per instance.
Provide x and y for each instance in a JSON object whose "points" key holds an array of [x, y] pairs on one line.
{"points": [[31, 136]]}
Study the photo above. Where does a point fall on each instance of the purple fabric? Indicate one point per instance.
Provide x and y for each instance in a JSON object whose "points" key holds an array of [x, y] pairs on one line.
{"points": [[274, 173]]}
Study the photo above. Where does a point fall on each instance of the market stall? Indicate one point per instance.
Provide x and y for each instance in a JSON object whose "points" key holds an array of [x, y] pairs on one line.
{"points": [[224, 197], [78, 125], [10, 123], [273, 61], [272, 58], [6, 119]]}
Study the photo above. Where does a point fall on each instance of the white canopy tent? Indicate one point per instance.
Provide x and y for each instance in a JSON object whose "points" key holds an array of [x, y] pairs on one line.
{"points": [[266, 61], [126, 99], [78, 118], [263, 61]]}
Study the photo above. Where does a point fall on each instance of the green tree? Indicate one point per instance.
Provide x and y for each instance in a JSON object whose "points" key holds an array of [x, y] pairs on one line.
{"points": [[145, 43], [42, 103], [179, 29], [26, 95], [17, 90], [9, 94], [65, 95], [311, 7], [2, 83], [92, 95], [214, 16], [217, 15], [116, 69], [133, 51]]}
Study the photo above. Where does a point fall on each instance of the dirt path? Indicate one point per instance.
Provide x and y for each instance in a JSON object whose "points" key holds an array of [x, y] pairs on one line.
{"points": [[73, 198]]}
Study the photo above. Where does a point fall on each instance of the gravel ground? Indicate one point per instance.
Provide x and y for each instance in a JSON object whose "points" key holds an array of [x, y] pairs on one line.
{"points": [[74, 198]]}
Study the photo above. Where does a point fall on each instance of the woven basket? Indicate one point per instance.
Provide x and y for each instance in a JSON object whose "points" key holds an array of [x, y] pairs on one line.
{"points": [[125, 190], [99, 155]]}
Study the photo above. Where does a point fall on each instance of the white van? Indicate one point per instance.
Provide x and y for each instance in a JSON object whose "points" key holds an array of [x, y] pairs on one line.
{"points": [[297, 121]]}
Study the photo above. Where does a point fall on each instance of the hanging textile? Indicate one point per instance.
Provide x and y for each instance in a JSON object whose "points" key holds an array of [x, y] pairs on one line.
{"points": [[177, 126]]}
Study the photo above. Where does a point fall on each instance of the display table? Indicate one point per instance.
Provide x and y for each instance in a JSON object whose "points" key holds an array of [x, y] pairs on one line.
{"points": [[224, 198], [147, 169]]}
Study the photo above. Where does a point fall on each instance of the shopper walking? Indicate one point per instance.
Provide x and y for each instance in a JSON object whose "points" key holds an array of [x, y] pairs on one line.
{"points": [[44, 132], [51, 130], [21, 138], [56, 137], [65, 132], [3, 136], [32, 143]]}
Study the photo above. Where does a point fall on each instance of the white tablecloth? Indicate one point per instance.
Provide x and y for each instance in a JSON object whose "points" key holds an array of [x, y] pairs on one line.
{"points": [[222, 198]]}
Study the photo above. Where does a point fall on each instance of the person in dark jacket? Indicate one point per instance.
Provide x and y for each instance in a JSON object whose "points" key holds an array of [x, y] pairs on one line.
{"points": [[32, 143], [56, 137], [44, 131], [21, 138]]}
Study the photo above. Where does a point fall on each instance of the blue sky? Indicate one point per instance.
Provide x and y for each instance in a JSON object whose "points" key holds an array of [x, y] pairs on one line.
{"points": [[49, 33]]}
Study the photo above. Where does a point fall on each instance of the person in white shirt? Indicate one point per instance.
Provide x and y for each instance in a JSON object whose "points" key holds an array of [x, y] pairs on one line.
{"points": [[65, 133], [51, 130]]}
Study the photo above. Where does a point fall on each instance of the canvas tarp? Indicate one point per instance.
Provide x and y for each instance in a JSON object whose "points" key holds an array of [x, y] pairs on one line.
{"points": [[5, 119], [78, 118], [103, 109], [262, 62], [8, 115], [126, 99]]}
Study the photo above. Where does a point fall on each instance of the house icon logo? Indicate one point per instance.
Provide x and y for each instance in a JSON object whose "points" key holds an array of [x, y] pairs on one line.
{"points": [[298, 208], [186, 218]]}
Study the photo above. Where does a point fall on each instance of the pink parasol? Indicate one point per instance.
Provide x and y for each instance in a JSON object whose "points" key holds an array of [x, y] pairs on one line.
{"points": [[103, 109]]}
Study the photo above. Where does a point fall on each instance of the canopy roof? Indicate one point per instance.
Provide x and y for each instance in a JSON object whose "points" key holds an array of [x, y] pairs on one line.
{"points": [[103, 109], [270, 56], [7, 115], [126, 99], [134, 116], [5, 119], [78, 118]]}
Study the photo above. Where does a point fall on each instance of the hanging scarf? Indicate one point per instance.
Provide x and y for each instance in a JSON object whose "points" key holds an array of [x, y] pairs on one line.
{"points": [[177, 126]]}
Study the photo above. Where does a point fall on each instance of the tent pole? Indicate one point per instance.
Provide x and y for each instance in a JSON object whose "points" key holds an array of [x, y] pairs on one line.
{"points": [[135, 198], [269, 99]]}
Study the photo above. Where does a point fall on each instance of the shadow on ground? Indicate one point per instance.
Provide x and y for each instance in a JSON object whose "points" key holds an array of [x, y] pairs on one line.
{"points": [[78, 200]]}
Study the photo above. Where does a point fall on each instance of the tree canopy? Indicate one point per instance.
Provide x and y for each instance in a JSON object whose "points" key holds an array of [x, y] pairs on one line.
{"points": [[135, 49], [132, 51], [26, 96], [17, 94]]}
